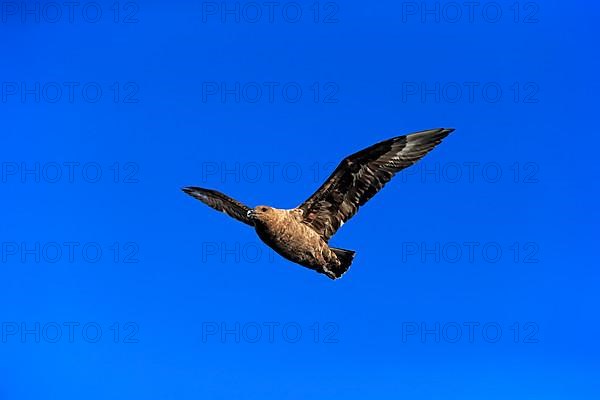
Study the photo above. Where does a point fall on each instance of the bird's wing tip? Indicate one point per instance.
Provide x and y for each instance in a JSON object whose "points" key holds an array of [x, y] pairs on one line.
{"points": [[187, 189], [444, 132], [194, 191], [436, 134]]}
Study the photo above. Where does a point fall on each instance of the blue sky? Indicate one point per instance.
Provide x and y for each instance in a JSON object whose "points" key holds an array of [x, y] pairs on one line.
{"points": [[474, 275]]}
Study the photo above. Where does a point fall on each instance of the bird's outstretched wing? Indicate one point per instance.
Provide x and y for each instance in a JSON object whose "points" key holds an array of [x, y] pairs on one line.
{"points": [[221, 202], [360, 176]]}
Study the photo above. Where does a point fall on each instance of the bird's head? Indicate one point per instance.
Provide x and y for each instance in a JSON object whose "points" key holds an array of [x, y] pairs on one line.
{"points": [[260, 213]]}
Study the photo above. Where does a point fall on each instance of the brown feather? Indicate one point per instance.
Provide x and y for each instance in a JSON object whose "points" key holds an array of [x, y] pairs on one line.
{"points": [[221, 202], [360, 176]]}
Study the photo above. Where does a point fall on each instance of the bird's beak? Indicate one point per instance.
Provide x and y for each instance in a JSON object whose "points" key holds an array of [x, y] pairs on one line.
{"points": [[250, 214]]}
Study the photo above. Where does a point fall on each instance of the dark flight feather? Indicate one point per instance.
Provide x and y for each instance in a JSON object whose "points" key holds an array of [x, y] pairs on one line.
{"points": [[221, 202], [360, 176]]}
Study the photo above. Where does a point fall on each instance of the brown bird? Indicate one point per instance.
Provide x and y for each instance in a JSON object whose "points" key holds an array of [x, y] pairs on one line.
{"points": [[302, 234]]}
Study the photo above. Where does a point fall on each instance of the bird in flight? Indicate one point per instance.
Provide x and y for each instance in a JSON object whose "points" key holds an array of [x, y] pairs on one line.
{"points": [[302, 234]]}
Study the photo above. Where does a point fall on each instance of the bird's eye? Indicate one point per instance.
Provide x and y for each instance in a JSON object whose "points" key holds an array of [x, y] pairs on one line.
{"points": [[263, 209]]}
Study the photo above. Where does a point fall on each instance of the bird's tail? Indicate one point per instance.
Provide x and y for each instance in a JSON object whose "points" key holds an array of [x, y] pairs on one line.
{"points": [[345, 258]]}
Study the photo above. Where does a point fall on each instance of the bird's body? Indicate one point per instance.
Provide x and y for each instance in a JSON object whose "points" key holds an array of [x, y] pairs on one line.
{"points": [[302, 234], [284, 232]]}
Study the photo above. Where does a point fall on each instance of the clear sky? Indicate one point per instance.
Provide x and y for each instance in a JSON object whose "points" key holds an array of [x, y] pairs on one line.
{"points": [[474, 275]]}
